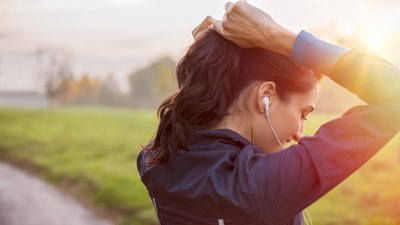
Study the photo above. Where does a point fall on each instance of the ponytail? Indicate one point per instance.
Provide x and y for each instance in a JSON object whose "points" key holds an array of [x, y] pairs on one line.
{"points": [[207, 75]]}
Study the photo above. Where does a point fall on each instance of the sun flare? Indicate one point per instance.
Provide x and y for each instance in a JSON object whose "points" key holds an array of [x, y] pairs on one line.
{"points": [[375, 41]]}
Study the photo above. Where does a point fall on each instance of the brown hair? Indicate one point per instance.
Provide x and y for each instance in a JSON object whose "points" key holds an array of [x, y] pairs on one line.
{"points": [[210, 77]]}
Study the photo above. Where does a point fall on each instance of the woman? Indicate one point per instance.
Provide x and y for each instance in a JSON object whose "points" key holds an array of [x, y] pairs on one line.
{"points": [[218, 154]]}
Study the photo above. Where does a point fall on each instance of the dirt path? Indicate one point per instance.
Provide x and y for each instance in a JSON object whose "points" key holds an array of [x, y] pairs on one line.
{"points": [[27, 200]]}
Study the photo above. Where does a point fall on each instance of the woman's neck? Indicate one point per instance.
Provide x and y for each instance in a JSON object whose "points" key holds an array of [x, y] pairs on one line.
{"points": [[235, 123]]}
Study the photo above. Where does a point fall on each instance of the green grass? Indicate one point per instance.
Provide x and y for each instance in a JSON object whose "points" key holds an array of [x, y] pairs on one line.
{"points": [[91, 152]]}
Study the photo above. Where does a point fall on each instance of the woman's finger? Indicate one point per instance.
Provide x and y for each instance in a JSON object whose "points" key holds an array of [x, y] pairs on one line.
{"points": [[228, 6], [206, 23], [297, 137], [218, 26]]}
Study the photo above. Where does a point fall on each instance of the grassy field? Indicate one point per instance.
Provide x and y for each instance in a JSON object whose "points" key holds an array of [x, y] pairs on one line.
{"points": [[91, 152]]}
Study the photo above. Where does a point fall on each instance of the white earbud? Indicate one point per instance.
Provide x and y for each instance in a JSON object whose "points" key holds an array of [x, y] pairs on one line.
{"points": [[266, 101]]}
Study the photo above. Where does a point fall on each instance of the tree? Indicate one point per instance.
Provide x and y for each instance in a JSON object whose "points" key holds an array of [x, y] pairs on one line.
{"points": [[53, 68], [65, 92], [91, 91], [88, 90], [111, 95], [150, 85]]}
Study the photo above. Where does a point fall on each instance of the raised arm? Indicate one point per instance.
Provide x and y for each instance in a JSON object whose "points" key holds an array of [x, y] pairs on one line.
{"points": [[372, 78]]}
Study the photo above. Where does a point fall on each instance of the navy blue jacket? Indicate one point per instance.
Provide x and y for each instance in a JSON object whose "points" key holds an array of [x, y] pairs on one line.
{"points": [[222, 178]]}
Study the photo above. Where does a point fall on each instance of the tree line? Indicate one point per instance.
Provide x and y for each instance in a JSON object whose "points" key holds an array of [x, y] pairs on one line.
{"points": [[147, 86]]}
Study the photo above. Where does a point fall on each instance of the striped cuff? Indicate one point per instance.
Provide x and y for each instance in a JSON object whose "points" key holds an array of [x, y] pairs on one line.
{"points": [[316, 54]]}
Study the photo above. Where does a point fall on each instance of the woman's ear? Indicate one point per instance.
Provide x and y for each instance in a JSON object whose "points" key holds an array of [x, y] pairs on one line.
{"points": [[267, 88]]}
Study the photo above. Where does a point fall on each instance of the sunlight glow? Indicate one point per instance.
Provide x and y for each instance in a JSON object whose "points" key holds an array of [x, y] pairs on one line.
{"points": [[375, 41]]}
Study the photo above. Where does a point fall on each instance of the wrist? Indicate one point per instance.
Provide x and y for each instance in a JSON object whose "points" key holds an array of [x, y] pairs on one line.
{"points": [[280, 40]]}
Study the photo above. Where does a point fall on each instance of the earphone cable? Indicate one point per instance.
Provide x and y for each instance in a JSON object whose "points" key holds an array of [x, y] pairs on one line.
{"points": [[309, 217], [304, 218], [273, 131], [276, 137]]}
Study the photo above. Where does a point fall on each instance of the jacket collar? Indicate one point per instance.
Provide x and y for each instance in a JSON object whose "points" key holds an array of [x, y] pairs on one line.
{"points": [[213, 137]]}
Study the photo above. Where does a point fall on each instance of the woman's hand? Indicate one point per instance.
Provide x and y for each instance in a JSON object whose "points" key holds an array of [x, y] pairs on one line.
{"points": [[248, 27]]}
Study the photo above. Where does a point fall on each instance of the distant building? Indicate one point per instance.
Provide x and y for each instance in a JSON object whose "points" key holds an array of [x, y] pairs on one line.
{"points": [[24, 99]]}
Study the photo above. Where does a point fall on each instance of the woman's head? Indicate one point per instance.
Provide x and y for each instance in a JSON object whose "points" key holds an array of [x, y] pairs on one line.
{"points": [[222, 86]]}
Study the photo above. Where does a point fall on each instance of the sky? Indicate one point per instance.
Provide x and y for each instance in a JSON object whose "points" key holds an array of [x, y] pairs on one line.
{"points": [[122, 36]]}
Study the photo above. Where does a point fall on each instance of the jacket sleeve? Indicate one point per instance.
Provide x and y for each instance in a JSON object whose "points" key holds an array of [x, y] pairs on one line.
{"points": [[292, 179]]}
